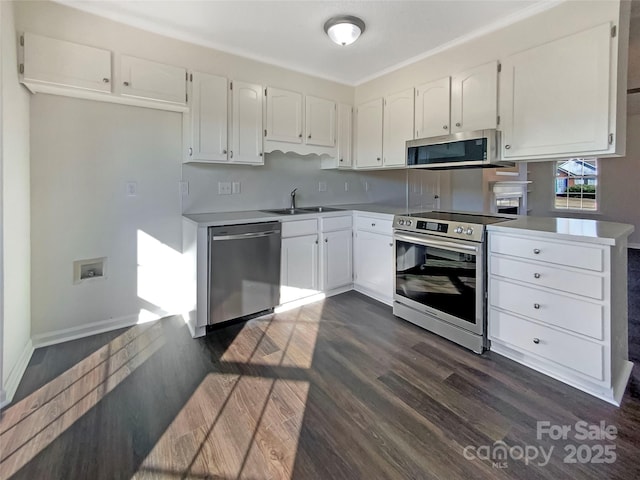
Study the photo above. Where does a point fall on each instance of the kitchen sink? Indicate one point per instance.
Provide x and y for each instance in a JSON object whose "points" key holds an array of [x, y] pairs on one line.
{"points": [[320, 209], [287, 211]]}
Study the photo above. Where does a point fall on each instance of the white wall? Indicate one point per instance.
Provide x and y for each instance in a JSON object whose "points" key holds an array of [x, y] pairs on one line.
{"points": [[618, 182], [83, 153], [16, 344]]}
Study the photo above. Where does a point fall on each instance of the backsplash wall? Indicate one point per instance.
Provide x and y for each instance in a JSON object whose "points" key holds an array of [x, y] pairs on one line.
{"points": [[269, 186]]}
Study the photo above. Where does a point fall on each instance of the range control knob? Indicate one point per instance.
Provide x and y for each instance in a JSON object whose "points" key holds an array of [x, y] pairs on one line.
{"points": [[459, 230], [469, 231], [408, 223], [401, 222]]}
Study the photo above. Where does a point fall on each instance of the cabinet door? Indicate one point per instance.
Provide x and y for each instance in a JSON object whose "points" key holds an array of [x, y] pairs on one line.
{"points": [[374, 263], [157, 81], [432, 108], [474, 99], [398, 128], [209, 117], [320, 121], [555, 97], [299, 268], [47, 60], [338, 270], [345, 132], [284, 115], [369, 138], [246, 132]]}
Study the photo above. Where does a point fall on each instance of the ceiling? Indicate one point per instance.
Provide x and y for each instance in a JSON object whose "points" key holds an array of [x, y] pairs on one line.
{"points": [[290, 33]]}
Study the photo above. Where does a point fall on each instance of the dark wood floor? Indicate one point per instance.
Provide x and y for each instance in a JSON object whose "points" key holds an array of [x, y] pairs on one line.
{"points": [[339, 389]]}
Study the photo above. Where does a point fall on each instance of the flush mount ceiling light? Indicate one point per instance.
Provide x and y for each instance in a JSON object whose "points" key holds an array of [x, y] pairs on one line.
{"points": [[344, 30]]}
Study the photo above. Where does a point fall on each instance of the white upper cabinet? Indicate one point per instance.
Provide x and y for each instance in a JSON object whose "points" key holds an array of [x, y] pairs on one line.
{"points": [[246, 132], [555, 98], [432, 105], [157, 81], [369, 134], [284, 115], [345, 134], [320, 122], [474, 99], [56, 62], [209, 115], [398, 127]]}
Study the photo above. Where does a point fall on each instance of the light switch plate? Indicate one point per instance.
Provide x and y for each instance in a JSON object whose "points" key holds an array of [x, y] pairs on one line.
{"points": [[235, 187], [322, 186], [132, 189]]}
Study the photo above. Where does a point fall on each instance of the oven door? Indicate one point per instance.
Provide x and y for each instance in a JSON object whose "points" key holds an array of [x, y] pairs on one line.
{"points": [[441, 277]]}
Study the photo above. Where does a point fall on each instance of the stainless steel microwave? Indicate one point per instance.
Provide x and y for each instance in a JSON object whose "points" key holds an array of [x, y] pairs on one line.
{"points": [[459, 150]]}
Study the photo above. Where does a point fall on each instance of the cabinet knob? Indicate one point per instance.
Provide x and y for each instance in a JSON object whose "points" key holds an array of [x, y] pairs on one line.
{"points": [[536, 275], [458, 124], [536, 251], [316, 241], [373, 224], [224, 152], [536, 341], [391, 244], [231, 153], [536, 306], [260, 154], [309, 136], [126, 84], [105, 80], [341, 159], [378, 159], [300, 136], [326, 240], [190, 151], [507, 147], [446, 127]]}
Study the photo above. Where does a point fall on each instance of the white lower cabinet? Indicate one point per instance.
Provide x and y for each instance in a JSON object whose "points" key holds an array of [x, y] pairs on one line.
{"points": [[337, 252], [374, 256], [567, 319], [299, 268]]}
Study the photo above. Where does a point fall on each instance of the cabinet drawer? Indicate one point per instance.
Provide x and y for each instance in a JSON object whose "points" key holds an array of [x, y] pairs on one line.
{"points": [[336, 223], [551, 277], [297, 228], [561, 311], [562, 348], [374, 224], [568, 254]]}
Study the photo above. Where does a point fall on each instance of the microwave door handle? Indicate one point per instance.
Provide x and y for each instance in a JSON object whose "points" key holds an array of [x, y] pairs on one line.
{"points": [[457, 247]]}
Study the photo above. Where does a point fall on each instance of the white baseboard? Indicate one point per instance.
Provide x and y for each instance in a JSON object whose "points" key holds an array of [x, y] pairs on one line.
{"points": [[73, 333], [16, 373]]}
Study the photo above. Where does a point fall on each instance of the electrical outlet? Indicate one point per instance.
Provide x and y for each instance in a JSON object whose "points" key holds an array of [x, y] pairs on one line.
{"points": [[235, 187], [346, 186], [184, 188], [322, 186], [132, 189], [224, 188]]}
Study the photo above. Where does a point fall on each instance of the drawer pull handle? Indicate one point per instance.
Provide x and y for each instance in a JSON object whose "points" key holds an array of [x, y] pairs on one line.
{"points": [[536, 341], [373, 224], [536, 251], [536, 275], [536, 306]]}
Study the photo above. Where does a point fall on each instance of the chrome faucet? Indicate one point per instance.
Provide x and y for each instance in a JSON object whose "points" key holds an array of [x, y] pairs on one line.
{"points": [[293, 199]]}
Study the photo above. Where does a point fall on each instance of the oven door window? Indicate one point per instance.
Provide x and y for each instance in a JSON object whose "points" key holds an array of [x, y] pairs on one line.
{"points": [[438, 278]]}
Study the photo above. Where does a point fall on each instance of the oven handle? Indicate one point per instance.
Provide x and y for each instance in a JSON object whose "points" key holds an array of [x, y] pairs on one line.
{"points": [[458, 247]]}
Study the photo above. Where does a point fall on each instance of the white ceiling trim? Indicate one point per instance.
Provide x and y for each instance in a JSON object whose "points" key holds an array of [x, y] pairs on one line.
{"points": [[492, 27], [149, 26]]}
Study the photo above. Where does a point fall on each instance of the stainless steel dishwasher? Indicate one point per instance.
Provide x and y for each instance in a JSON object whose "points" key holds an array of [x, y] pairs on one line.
{"points": [[244, 270]]}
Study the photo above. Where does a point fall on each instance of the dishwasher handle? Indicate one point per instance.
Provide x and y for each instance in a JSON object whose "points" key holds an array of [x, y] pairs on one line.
{"points": [[242, 236]]}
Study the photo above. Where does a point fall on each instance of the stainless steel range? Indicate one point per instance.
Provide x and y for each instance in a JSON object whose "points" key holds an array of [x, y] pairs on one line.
{"points": [[440, 274]]}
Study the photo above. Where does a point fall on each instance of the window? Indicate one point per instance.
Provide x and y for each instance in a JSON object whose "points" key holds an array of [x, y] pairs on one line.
{"points": [[576, 184]]}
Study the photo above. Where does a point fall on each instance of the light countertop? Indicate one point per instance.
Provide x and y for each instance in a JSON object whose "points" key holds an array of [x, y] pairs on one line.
{"points": [[250, 216], [575, 229]]}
